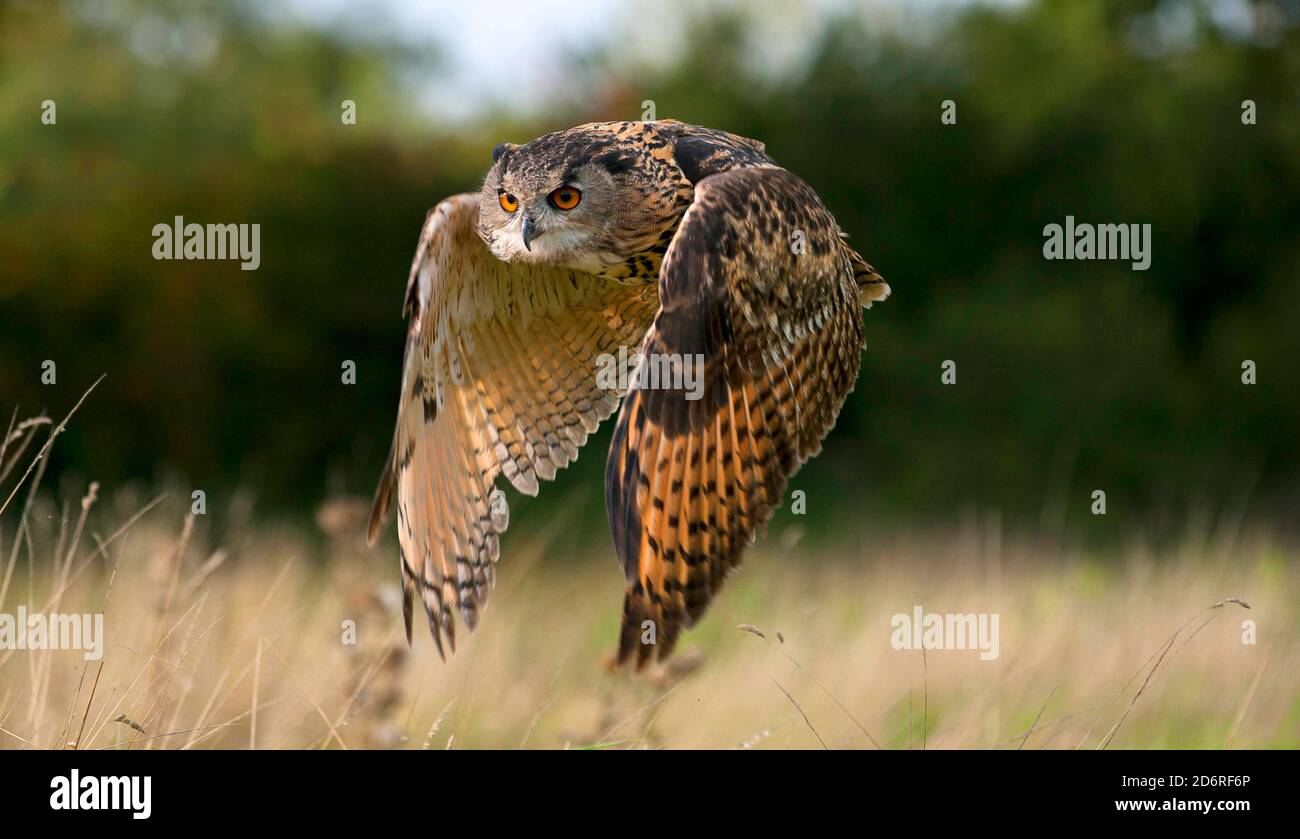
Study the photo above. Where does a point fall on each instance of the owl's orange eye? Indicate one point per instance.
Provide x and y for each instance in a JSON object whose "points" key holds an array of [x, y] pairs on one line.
{"points": [[508, 202], [565, 198]]}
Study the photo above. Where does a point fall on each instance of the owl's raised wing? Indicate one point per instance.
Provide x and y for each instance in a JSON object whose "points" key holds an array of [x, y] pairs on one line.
{"points": [[759, 287], [500, 376]]}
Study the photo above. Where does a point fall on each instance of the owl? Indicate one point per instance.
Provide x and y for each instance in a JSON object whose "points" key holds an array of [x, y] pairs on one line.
{"points": [[687, 251]]}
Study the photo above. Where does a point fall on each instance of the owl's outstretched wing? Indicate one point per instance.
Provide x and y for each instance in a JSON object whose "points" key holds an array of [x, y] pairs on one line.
{"points": [[500, 376], [759, 288]]}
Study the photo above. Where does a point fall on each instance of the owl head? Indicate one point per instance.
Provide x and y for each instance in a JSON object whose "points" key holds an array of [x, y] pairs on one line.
{"points": [[574, 198]]}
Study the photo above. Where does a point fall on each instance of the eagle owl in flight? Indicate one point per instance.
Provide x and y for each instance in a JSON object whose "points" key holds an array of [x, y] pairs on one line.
{"points": [[663, 239]]}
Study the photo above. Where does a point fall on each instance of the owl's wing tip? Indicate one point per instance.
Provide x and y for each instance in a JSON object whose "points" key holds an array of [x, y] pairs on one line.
{"points": [[408, 597], [379, 508]]}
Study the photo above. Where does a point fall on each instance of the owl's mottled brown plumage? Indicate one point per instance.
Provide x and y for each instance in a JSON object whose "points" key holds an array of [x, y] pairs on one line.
{"points": [[692, 242]]}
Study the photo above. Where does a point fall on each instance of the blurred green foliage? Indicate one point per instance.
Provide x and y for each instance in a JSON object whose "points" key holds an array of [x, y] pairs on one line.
{"points": [[1072, 376]]}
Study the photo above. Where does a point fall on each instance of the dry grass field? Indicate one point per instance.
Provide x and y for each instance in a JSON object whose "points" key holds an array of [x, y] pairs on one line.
{"points": [[237, 641]]}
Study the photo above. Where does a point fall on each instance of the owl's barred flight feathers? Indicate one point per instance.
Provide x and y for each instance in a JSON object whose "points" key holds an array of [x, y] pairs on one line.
{"points": [[498, 379], [692, 244]]}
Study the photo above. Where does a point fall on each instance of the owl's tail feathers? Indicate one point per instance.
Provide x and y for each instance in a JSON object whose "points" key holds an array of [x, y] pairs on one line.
{"points": [[383, 503], [871, 286]]}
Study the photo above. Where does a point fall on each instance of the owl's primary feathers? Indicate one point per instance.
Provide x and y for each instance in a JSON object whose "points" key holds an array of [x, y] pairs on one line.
{"points": [[671, 240]]}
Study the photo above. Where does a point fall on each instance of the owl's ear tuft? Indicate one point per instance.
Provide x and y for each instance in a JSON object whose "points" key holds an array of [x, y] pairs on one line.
{"points": [[501, 149]]}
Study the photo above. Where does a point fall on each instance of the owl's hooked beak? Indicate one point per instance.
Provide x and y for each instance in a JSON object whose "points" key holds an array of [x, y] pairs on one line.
{"points": [[528, 230]]}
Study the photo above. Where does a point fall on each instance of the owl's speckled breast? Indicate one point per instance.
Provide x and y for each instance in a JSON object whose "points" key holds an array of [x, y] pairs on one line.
{"points": [[637, 269]]}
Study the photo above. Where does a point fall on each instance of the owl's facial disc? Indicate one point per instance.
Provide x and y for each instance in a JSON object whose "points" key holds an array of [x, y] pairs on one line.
{"points": [[550, 216]]}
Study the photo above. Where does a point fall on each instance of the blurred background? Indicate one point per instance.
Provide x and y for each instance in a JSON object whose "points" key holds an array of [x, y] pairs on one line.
{"points": [[225, 629], [1071, 376]]}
